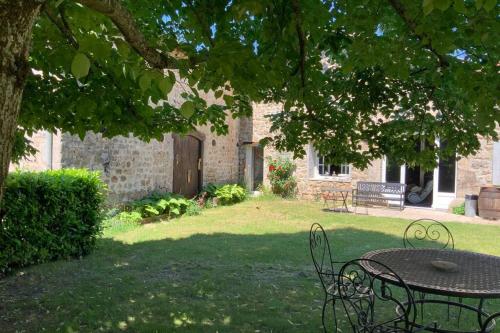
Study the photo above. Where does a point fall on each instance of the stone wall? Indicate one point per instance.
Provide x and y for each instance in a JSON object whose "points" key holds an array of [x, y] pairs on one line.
{"points": [[133, 168], [475, 171], [130, 167], [221, 155], [308, 186], [472, 172]]}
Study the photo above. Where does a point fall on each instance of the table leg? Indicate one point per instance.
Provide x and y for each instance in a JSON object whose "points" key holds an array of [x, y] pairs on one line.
{"points": [[480, 312], [344, 201]]}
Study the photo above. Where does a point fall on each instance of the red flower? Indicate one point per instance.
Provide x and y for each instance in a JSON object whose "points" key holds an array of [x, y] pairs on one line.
{"points": [[272, 168]]}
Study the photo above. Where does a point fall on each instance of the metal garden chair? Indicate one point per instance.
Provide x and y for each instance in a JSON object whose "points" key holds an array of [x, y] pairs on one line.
{"points": [[428, 233], [491, 323], [323, 263], [375, 298]]}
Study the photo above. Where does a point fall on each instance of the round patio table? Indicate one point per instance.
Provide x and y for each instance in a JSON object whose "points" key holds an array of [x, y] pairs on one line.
{"points": [[442, 272]]}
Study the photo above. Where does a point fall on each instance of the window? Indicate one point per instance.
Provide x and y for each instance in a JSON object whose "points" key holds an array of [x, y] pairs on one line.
{"points": [[392, 171], [328, 170], [446, 173]]}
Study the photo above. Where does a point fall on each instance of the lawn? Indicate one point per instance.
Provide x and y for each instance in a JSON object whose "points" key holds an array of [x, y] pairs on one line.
{"points": [[244, 268]]}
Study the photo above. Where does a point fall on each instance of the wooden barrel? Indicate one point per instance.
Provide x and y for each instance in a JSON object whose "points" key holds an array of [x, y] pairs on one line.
{"points": [[489, 202]]}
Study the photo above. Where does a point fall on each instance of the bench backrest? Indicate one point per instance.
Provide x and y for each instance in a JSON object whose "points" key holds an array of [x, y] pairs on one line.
{"points": [[380, 188]]}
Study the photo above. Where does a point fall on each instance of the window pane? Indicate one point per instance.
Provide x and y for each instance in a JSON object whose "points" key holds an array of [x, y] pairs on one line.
{"points": [[392, 171], [446, 173], [344, 169], [332, 169]]}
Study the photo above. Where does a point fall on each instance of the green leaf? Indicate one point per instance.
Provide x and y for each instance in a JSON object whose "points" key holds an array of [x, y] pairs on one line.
{"points": [[187, 109], [165, 86], [479, 4], [229, 100], [489, 4], [459, 6], [123, 48], [171, 76], [145, 81], [428, 6], [442, 4], [80, 65], [218, 93]]}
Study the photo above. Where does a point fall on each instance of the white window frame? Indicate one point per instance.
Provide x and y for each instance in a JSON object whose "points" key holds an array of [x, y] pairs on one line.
{"points": [[314, 164]]}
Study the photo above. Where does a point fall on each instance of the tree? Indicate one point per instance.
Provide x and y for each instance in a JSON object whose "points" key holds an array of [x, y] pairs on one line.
{"points": [[358, 78]]}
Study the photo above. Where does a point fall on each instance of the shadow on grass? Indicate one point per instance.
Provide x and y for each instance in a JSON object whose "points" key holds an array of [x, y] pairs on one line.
{"points": [[202, 283]]}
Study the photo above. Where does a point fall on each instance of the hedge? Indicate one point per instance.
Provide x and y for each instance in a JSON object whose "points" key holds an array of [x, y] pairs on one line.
{"points": [[49, 215]]}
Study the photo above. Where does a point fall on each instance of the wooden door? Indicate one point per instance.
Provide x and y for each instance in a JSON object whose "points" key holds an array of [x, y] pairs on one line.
{"points": [[187, 165], [258, 166]]}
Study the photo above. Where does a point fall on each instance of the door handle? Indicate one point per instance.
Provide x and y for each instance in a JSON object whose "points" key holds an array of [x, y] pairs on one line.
{"points": [[199, 163], [189, 176]]}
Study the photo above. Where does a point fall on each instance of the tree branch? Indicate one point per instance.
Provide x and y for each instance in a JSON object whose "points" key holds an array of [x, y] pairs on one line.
{"points": [[125, 22], [65, 29], [302, 41], [412, 25], [62, 25]]}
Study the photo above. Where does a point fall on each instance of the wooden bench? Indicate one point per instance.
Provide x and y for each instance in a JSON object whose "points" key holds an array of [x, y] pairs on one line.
{"points": [[379, 194]]}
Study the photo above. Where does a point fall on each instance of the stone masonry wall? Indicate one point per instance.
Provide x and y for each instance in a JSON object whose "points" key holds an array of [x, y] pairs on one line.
{"points": [[308, 186], [220, 153], [131, 168], [475, 171]]}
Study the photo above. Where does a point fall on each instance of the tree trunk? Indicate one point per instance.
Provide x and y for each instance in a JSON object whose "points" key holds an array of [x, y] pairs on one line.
{"points": [[17, 19]]}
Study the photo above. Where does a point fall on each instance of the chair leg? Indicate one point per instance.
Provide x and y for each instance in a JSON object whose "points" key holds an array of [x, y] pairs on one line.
{"points": [[335, 323], [323, 314], [460, 300]]}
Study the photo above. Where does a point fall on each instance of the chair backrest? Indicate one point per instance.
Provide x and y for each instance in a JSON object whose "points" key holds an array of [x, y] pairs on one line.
{"points": [[321, 255], [491, 323], [428, 233], [370, 293]]}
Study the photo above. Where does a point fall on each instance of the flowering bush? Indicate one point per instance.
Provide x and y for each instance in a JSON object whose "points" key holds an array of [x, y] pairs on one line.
{"points": [[281, 177]]}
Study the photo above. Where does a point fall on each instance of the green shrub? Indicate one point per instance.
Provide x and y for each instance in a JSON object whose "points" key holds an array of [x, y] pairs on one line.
{"points": [[193, 208], [49, 215], [280, 175], [209, 190], [122, 222], [230, 194], [129, 217], [161, 204], [459, 210]]}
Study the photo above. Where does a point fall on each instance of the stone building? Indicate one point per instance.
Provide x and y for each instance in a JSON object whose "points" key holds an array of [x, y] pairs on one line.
{"points": [[133, 168], [451, 180]]}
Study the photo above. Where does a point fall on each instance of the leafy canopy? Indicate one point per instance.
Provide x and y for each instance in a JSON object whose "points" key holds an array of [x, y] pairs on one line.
{"points": [[358, 78]]}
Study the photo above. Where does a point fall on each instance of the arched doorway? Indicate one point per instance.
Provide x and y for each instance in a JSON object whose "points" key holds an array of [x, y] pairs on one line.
{"points": [[188, 165]]}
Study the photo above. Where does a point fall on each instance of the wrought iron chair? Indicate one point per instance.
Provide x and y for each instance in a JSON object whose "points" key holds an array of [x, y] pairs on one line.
{"points": [[323, 263], [428, 233], [491, 323], [375, 298]]}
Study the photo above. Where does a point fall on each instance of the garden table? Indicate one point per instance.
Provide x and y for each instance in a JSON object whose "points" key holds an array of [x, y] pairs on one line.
{"points": [[455, 273], [335, 196]]}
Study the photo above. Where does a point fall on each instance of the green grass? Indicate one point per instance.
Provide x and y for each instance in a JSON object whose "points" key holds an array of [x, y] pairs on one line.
{"points": [[243, 268]]}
